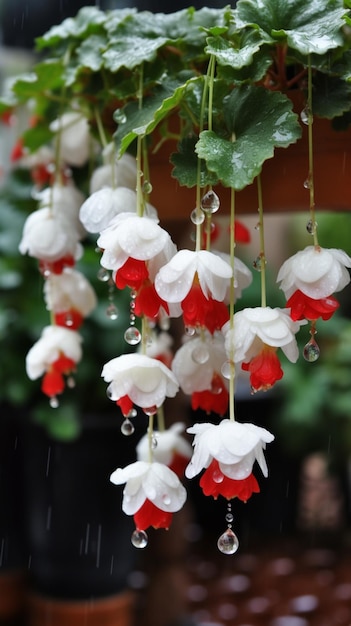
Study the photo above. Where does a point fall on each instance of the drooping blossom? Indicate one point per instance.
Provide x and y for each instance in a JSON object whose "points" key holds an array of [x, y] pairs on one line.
{"points": [[114, 172], [159, 347], [139, 379], [153, 492], [227, 452], [74, 138], [103, 205], [135, 248], [198, 281], [253, 341], [40, 163], [242, 276], [50, 237], [310, 277], [70, 297], [66, 200], [172, 448], [197, 366], [54, 356]]}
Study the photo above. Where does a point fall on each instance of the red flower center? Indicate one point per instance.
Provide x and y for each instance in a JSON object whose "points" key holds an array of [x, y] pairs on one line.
{"points": [[150, 515], [214, 483], [265, 369], [132, 274], [304, 307], [212, 400], [201, 311]]}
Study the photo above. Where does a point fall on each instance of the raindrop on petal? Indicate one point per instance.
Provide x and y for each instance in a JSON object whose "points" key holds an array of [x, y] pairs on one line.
{"points": [[227, 369], [217, 477], [150, 410], [228, 543], [139, 539], [200, 355]]}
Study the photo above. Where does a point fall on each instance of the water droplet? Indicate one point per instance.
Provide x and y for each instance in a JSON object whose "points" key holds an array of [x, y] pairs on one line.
{"points": [[190, 331], [305, 116], [127, 428], [166, 499], [200, 355], [227, 369], [68, 320], [120, 116], [147, 187], [259, 263], [210, 202], [311, 351], [109, 392], [228, 543], [258, 226], [112, 311], [132, 336], [150, 410], [103, 275], [132, 413], [54, 403], [229, 518], [311, 227], [307, 183], [197, 217], [217, 476], [71, 383], [139, 539], [154, 442]]}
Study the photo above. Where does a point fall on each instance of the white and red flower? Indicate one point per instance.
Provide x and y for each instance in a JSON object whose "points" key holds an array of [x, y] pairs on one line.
{"points": [[70, 296], [74, 140], [103, 205], [197, 366], [227, 452], [198, 281], [153, 492], [54, 356], [310, 277], [172, 448], [114, 173], [254, 338], [135, 248], [139, 379]]}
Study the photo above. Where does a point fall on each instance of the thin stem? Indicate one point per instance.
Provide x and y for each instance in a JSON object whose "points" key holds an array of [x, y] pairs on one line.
{"points": [[161, 419], [139, 154], [232, 304], [262, 255], [310, 155], [150, 434]]}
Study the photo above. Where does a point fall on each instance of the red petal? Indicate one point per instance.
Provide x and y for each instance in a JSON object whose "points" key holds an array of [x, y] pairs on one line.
{"points": [[132, 274], [64, 365], [53, 383], [150, 515], [70, 319], [214, 483], [56, 267], [17, 151], [201, 311], [241, 233], [148, 302], [265, 369], [304, 307], [125, 404], [215, 400], [178, 464]]}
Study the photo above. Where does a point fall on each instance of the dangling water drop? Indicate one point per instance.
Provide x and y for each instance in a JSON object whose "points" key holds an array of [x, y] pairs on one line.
{"points": [[259, 263], [147, 187], [210, 202], [103, 275], [154, 442], [127, 427], [112, 311], [54, 403], [228, 542], [120, 116], [139, 539], [197, 217], [69, 320], [200, 355], [311, 351], [132, 336], [150, 410], [307, 183], [190, 331], [229, 517]]}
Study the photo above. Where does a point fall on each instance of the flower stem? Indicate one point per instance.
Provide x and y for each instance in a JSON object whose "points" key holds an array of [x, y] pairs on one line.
{"points": [[161, 419], [310, 155], [262, 255], [150, 434], [231, 304]]}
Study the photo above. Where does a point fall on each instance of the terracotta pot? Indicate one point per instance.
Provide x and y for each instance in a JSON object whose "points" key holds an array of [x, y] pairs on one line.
{"points": [[282, 177]]}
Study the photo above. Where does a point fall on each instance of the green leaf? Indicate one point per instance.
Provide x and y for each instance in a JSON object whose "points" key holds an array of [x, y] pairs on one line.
{"points": [[232, 53], [88, 20], [185, 164], [332, 96], [46, 76], [308, 27], [130, 52], [142, 121], [257, 122], [89, 53]]}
